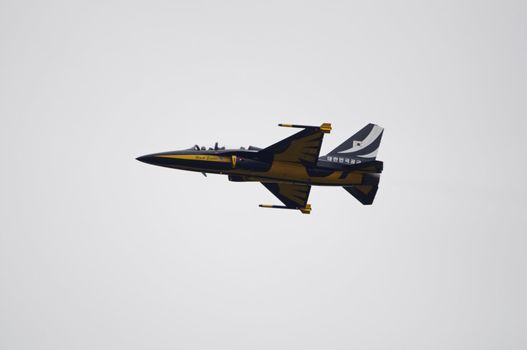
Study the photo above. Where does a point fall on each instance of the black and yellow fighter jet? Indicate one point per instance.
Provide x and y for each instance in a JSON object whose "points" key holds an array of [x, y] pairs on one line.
{"points": [[290, 167]]}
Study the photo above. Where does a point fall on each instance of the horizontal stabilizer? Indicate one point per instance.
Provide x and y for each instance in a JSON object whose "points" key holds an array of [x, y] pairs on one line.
{"points": [[365, 193], [374, 166]]}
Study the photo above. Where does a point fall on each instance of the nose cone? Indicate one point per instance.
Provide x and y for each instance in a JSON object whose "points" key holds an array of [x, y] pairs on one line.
{"points": [[148, 159]]}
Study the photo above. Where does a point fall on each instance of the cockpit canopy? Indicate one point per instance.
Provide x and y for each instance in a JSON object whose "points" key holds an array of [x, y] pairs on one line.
{"points": [[203, 148], [217, 148]]}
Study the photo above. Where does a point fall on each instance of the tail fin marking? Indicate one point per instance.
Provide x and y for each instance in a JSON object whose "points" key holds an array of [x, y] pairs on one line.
{"points": [[362, 146]]}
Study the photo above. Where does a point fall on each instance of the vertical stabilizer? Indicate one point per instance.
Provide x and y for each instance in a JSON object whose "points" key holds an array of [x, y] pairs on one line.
{"points": [[361, 147]]}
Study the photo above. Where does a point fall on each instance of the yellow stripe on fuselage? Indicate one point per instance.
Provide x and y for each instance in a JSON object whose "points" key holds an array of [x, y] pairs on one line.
{"points": [[200, 157]]}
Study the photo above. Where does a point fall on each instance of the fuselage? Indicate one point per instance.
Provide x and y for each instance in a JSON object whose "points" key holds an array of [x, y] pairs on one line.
{"points": [[246, 165]]}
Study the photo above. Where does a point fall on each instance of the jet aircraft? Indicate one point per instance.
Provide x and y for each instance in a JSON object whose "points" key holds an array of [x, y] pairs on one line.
{"points": [[290, 167]]}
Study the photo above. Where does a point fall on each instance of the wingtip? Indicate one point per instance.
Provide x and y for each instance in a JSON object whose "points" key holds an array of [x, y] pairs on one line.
{"points": [[326, 128]]}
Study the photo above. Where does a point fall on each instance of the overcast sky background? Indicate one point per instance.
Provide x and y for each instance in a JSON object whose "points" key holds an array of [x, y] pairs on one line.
{"points": [[99, 251]]}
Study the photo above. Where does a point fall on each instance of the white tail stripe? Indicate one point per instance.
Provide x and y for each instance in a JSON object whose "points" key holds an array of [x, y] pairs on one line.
{"points": [[369, 155], [372, 136]]}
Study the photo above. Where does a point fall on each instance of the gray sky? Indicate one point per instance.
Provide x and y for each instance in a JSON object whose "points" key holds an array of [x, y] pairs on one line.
{"points": [[99, 251]]}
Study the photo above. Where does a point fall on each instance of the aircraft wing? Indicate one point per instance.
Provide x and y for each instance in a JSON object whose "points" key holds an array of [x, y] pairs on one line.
{"points": [[293, 196], [302, 147]]}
